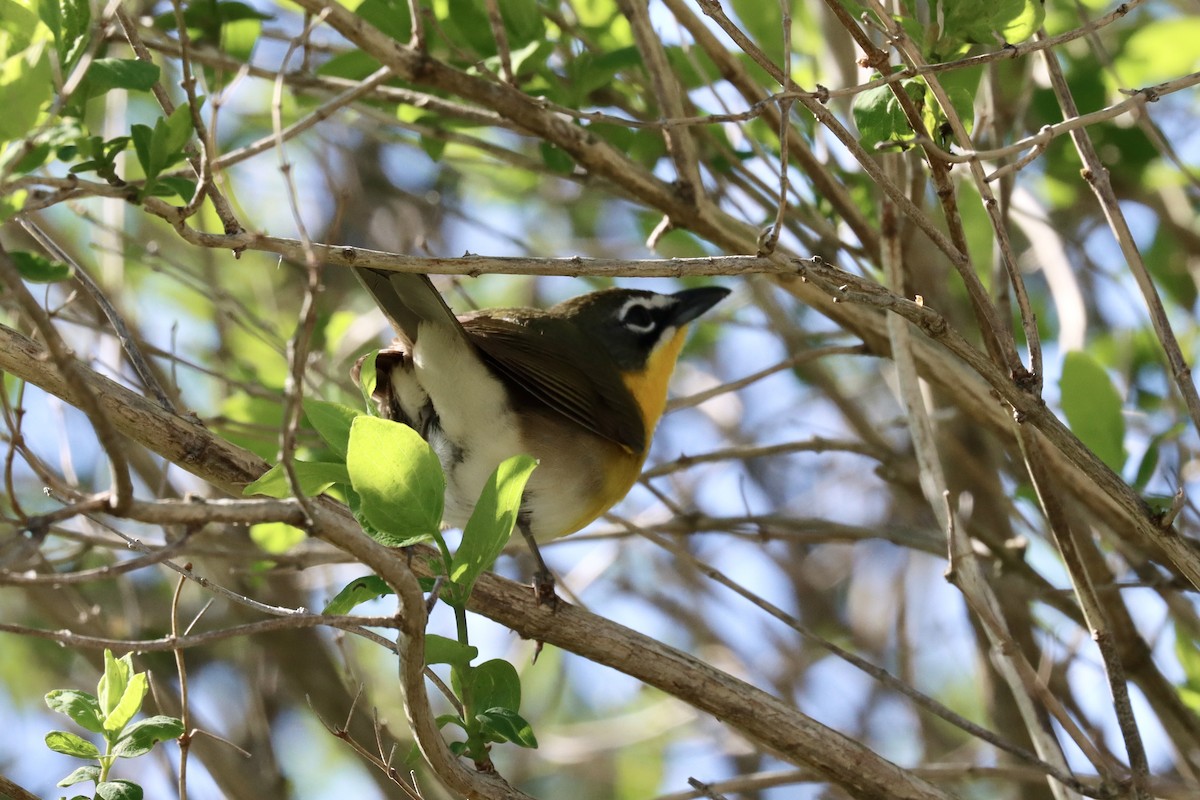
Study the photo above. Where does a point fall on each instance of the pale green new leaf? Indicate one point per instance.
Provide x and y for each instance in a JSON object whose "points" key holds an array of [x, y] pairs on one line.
{"points": [[491, 523], [398, 480]]}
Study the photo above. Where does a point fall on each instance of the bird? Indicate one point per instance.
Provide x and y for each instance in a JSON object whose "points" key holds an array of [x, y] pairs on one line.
{"points": [[579, 386]]}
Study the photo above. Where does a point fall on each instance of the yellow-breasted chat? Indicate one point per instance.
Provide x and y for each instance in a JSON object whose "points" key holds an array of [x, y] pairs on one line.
{"points": [[580, 387]]}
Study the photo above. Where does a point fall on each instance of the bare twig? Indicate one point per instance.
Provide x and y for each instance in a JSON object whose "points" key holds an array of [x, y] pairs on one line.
{"points": [[129, 344], [933, 484], [1096, 174], [1065, 536], [185, 740], [70, 369], [172, 642]]}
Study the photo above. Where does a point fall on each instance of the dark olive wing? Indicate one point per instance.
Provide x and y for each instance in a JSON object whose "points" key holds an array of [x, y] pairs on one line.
{"points": [[545, 358]]}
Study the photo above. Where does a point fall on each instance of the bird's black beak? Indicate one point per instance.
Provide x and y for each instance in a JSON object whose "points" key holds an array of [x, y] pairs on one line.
{"points": [[691, 303]]}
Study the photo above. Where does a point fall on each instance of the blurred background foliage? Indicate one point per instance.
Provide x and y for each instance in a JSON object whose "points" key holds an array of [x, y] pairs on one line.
{"points": [[801, 486]]}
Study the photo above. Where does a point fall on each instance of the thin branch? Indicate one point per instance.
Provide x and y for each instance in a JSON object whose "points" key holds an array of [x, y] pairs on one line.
{"points": [[70, 369], [680, 142], [199, 162], [129, 344], [742, 453], [971, 581], [168, 643], [1065, 536], [1136, 102], [1096, 175], [676, 403], [185, 740], [881, 675], [989, 317]]}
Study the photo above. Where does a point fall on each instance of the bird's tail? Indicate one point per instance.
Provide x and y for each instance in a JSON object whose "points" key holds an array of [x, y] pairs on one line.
{"points": [[406, 299]]}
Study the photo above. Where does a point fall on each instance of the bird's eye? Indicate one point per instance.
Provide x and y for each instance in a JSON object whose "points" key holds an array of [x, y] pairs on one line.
{"points": [[637, 318]]}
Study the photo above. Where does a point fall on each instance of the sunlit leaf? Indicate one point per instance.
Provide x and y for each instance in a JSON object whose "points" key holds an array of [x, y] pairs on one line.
{"points": [[314, 477], [83, 708], [357, 592], [1093, 408], [441, 650], [276, 537], [70, 744], [491, 523], [397, 477]]}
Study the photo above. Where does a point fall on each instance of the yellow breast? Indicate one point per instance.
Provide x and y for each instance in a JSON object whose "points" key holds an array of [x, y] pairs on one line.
{"points": [[649, 387]]}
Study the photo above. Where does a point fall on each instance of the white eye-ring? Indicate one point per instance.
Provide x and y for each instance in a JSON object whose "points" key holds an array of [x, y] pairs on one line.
{"points": [[636, 317], [638, 312]]}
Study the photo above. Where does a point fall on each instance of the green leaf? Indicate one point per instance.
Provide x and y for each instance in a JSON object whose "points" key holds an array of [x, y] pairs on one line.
{"points": [[140, 737], [276, 537], [69, 21], [169, 137], [71, 745], [89, 772], [962, 86], [25, 85], [141, 135], [468, 26], [443, 720], [119, 790], [879, 116], [171, 185], [355, 503], [389, 16], [532, 57], [495, 684], [588, 72], [332, 421], [254, 421], [314, 478], [523, 22], [352, 65], [441, 650], [507, 725], [114, 681], [179, 128], [491, 523], [129, 705], [433, 146], [31, 160], [989, 22], [12, 203], [131, 74], [1149, 55], [212, 15], [1149, 462], [1093, 408], [398, 479], [357, 592], [556, 159], [1188, 654], [39, 269], [764, 23], [367, 379], [82, 707], [19, 24], [239, 38]]}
